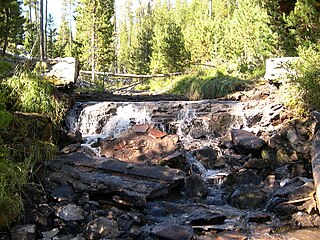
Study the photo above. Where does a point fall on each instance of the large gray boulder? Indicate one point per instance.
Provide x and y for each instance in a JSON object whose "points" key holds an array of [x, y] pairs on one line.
{"points": [[63, 71]]}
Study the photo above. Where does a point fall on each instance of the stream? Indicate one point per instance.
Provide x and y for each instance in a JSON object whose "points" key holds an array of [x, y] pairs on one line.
{"points": [[209, 169]]}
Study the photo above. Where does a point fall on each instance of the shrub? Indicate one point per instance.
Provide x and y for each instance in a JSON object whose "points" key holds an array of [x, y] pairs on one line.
{"points": [[301, 89]]}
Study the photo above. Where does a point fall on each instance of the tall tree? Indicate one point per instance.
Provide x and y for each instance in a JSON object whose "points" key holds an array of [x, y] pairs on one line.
{"points": [[95, 33], [51, 34], [41, 32], [11, 22]]}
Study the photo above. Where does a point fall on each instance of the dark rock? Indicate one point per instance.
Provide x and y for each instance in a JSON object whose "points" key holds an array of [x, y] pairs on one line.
{"points": [[172, 232], [105, 176], [70, 148], [246, 142], [257, 163], [24, 232], [289, 187], [259, 218], [101, 227], [195, 186], [248, 197], [207, 156], [64, 193], [302, 191], [207, 219], [71, 212], [285, 209], [243, 176], [272, 203]]}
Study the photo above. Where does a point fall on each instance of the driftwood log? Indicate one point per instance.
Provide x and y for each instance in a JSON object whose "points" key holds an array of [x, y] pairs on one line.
{"points": [[132, 183]]}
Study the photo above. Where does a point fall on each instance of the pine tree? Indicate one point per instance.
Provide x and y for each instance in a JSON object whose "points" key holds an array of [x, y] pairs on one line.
{"points": [[168, 52], [95, 34], [141, 49], [11, 22], [51, 35]]}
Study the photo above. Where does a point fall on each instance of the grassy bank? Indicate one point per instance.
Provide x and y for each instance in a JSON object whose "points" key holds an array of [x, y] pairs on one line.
{"points": [[29, 106]]}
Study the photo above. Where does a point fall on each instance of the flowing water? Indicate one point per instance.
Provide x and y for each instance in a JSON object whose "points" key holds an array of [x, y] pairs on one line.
{"points": [[198, 124]]}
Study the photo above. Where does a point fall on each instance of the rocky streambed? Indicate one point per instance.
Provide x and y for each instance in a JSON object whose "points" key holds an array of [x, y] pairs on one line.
{"points": [[223, 169]]}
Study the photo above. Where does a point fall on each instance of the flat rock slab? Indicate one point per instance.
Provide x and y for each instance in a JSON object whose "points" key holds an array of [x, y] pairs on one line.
{"points": [[134, 183]]}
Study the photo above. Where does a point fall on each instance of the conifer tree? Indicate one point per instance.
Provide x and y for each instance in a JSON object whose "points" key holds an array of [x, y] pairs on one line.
{"points": [[11, 22], [168, 52], [51, 37], [95, 33]]}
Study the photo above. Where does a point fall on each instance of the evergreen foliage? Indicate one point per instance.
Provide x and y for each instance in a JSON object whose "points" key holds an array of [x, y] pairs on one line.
{"points": [[95, 31], [11, 22]]}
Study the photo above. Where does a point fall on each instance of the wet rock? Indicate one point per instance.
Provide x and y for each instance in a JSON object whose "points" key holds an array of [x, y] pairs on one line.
{"points": [[272, 203], [207, 156], [195, 186], [25, 232], [248, 197], [206, 219], [64, 193], [303, 191], [110, 176], [288, 186], [71, 212], [132, 146], [259, 218], [285, 209], [101, 227], [243, 176], [246, 142], [70, 148], [172, 232], [257, 163], [50, 234], [231, 235]]}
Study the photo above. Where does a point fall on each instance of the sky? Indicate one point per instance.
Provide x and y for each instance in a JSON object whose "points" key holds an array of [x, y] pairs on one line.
{"points": [[55, 6]]}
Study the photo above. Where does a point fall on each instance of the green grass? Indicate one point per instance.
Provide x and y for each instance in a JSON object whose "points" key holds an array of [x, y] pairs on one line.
{"points": [[198, 86]]}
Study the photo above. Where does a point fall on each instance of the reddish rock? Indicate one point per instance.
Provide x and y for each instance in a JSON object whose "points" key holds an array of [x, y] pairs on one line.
{"points": [[232, 235], [155, 133], [172, 232], [141, 128]]}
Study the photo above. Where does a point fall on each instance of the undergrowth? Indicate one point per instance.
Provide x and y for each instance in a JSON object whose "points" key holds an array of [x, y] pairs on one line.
{"points": [[201, 85], [25, 138]]}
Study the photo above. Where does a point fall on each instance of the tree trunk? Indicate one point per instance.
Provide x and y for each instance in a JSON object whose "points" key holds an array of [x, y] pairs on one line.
{"points": [[45, 30], [6, 32], [70, 25], [42, 52]]}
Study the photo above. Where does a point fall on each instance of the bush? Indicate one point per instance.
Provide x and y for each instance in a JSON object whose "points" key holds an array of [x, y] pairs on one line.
{"points": [[28, 92], [206, 87], [301, 89]]}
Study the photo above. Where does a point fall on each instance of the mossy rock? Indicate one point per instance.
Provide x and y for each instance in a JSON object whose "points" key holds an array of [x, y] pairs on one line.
{"points": [[30, 126]]}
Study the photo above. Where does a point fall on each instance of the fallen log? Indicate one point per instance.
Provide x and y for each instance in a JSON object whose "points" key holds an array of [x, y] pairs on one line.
{"points": [[133, 182]]}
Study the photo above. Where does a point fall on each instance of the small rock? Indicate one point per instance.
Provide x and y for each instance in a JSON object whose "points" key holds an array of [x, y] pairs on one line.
{"points": [[70, 148], [285, 209], [246, 142], [64, 193], [172, 232], [303, 191], [71, 212], [141, 128], [25, 232], [195, 186], [248, 197], [50, 234], [102, 227], [207, 219], [259, 218], [155, 133], [207, 156], [257, 163], [232, 235]]}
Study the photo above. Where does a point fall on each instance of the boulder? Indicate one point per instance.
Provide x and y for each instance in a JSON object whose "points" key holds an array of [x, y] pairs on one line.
{"points": [[101, 227], [172, 232], [141, 143], [63, 71], [246, 142], [26, 232]]}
